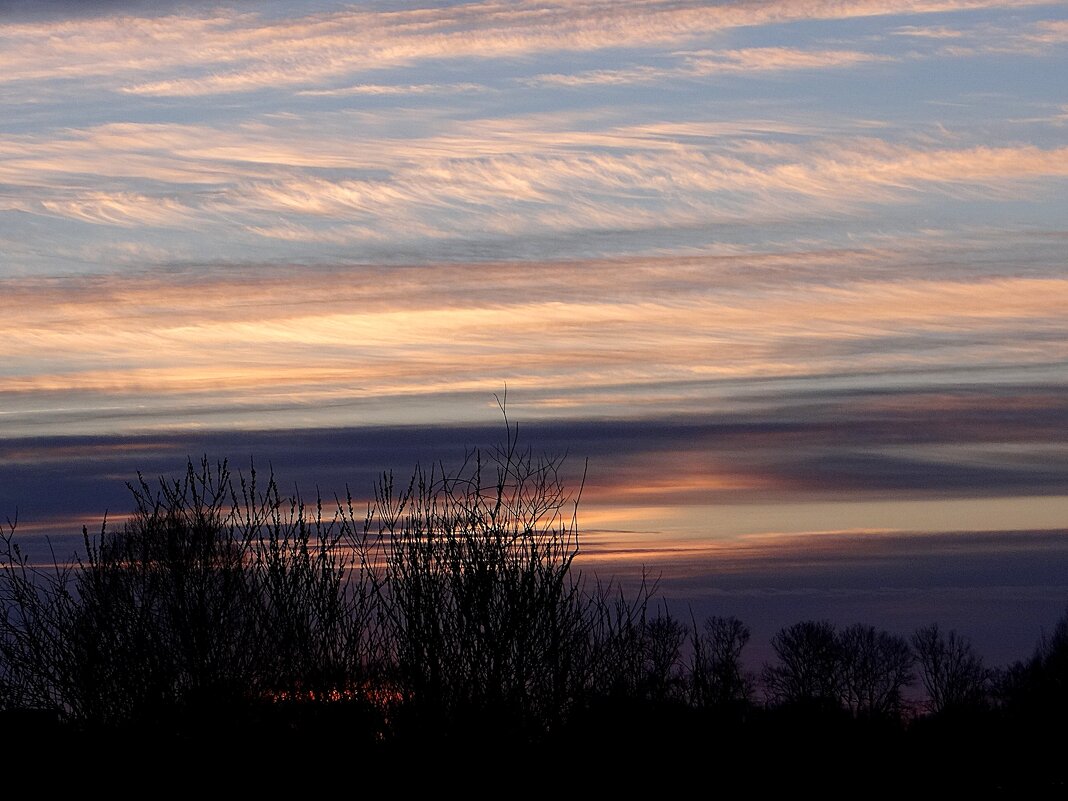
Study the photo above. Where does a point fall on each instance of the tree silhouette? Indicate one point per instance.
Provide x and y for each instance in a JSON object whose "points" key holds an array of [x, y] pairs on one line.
{"points": [[875, 667], [1036, 689], [808, 672], [953, 674], [664, 638], [718, 678]]}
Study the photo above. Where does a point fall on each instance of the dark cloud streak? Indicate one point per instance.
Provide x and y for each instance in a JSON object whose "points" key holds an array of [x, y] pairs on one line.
{"points": [[966, 442]]}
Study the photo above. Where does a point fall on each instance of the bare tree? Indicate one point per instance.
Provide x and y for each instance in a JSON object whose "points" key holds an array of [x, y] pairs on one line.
{"points": [[808, 671], [1036, 689], [953, 674], [717, 677], [615, 657], [664, 638], [875, 667]]}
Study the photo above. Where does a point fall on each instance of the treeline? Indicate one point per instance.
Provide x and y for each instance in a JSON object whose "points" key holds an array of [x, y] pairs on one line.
{"points": [[446, 611]]}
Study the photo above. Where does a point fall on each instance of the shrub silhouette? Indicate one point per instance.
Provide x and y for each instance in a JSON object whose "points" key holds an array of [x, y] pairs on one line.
{"points": [[445, 606], [36, 607], [210, 599], [485, 620], [448, 607]]}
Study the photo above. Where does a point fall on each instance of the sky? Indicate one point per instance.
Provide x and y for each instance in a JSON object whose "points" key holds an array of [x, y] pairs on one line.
{"points": [[791, 275]]}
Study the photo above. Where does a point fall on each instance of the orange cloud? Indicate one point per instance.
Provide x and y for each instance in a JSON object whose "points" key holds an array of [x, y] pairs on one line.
{"points": [[557, 331]]}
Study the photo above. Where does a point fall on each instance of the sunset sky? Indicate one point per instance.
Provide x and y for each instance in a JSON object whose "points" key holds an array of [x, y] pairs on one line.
{"points": [[792, 275]]}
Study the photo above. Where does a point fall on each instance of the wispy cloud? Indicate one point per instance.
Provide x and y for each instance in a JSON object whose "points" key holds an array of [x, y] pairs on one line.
{"points": [[987, 39], [123, 209], [503, 176], [706, 63], [388, 136], [236, 51], [378, 89], [928, 32], [254, 342]]}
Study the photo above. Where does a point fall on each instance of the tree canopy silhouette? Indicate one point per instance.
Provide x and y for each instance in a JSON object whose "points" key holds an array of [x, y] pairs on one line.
{"points": [[445, 608]]}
